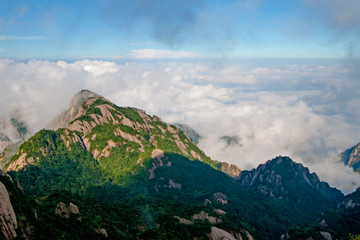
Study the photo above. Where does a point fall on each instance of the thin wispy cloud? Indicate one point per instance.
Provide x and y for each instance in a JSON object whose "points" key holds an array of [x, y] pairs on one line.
{"points": [[7, 37], [161, 54], [140, 43]]}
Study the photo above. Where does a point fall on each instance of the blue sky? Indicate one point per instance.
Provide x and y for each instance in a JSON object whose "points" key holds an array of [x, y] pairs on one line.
{"points": [[172, 29]]}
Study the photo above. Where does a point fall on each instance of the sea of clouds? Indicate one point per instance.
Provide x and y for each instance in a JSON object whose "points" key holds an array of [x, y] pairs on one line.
{"points": [[306, 111]]}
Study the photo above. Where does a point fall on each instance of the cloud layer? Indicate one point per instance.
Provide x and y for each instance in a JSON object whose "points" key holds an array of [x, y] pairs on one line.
{"points": [[307, 112]]}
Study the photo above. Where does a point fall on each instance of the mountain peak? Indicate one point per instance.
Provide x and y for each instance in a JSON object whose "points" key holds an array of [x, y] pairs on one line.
{"points": [[281, 177], [351, 157], [76, 103]]}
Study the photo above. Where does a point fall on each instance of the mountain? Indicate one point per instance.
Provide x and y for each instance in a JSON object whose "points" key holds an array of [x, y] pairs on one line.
{"points": [[104, 129], [190, 132], [74, 111], [351, 157], [283, 178], [11, 131], [132, 176]]}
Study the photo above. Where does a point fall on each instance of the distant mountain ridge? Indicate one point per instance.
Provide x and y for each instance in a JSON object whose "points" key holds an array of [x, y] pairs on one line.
{"points": [[11, 131], [351, 157], [283, 178]]}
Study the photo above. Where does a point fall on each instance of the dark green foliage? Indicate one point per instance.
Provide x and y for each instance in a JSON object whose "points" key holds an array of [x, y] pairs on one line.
{"points": [[304, 232], [59, 168], [130, 113], [86, 118], [343, 221]]}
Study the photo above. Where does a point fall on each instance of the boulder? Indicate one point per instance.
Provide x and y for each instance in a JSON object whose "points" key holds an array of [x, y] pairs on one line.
{"points": [[217, 233], [7, 215], [66, 211], [102, 231]]}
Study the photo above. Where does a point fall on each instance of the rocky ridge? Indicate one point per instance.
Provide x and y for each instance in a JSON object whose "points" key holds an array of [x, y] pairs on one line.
{"points": [[351, 157], [102, 127], [283, 178]]}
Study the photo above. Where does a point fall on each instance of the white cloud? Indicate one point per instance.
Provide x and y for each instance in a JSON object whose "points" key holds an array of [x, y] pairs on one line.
{"points": [[161, 53], [6, 37], [294, 110]]}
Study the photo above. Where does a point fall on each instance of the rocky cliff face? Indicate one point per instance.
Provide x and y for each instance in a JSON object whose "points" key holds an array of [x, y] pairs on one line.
{"points": [[74, 111], [7, 215], [191, 133], [283, 178], [351, 157], [230, 169]]}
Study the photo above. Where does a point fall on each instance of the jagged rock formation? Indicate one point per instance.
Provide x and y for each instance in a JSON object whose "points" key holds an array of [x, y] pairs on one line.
{"points": [[216, 233], [230, 169], [190, 132], [74, 110], [220, 197], [351, 157], [102, 231], [283, 178], [66, 211], [205, 216], [7, 215]]}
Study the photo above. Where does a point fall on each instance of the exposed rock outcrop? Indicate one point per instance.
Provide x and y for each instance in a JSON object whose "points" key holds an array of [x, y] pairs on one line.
{"points": [[217, 233], [75, 110], [67, 211], [205, 216], [20, 162], [351, 157], [326, 235], [7, 215], [102, 231], [221, 198], [230, 169], [183, 220]]}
